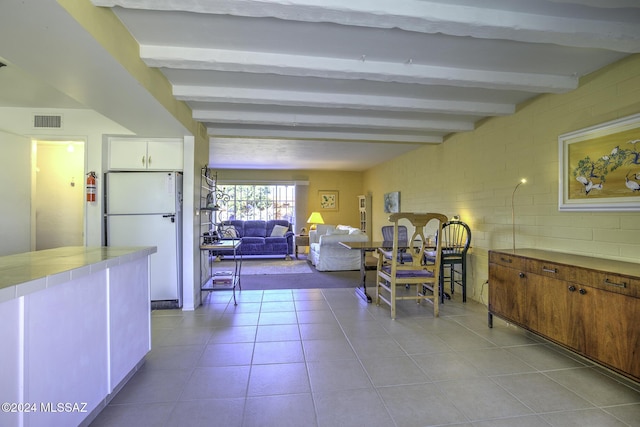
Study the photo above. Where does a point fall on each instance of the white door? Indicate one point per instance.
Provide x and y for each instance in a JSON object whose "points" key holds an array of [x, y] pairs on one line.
{"points": [[59, 194], [150, 230]]}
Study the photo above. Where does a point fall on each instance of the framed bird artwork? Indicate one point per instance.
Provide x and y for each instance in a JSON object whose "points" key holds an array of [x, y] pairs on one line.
{"points": [[600, 167]]}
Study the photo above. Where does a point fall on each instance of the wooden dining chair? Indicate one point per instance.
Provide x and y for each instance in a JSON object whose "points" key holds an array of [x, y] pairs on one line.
{"points": [[398, 280]]}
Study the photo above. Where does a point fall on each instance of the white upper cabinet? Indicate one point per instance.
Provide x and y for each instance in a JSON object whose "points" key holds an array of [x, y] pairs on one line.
{"points": [[144, 154]]}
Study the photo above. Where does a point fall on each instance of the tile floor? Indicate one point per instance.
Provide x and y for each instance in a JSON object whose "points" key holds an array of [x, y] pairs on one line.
{"points": [[325, 358]]}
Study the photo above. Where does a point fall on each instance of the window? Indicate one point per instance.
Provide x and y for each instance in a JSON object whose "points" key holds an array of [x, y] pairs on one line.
{"points": [[256, 202]]}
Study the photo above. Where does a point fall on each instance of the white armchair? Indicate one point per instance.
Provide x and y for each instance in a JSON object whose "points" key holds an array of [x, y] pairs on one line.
{"points": [[325, 252]]}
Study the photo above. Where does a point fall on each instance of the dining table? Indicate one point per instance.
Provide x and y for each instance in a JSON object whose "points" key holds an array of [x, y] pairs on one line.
{"points": [[371, 246]]}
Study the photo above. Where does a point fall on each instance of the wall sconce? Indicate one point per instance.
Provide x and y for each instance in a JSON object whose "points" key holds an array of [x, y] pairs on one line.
{"points": [[513, 213], [315, 218]]}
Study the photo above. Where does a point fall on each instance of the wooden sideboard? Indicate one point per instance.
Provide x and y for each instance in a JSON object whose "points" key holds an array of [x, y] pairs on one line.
{"points": [[589, 305]]}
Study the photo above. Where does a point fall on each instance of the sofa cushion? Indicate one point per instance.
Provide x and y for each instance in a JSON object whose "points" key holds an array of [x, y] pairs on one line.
{"points": [[237, 224], [273, 222], [279, 231], [275, 244], [228, 232], [253, 240], [247, 248], [255, 228], [349, 229]]}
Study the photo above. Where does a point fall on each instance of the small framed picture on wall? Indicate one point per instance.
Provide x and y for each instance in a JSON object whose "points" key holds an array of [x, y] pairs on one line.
{"points": [[392, 202], [328, 200]]}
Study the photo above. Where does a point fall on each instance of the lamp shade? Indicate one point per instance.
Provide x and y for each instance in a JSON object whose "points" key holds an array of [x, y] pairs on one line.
{"points": [[315, 218]]}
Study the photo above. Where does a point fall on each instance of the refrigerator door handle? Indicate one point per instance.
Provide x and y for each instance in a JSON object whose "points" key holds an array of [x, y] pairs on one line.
{"points": [[172, 216]]}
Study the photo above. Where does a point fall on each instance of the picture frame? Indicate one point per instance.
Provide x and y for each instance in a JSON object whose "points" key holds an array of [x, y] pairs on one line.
{"points": [[392, 202], [599, 167], [328, 200]]}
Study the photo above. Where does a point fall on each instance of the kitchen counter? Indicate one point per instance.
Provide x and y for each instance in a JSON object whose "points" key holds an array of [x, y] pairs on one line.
{"points": [[28, 272], [75, 324]]}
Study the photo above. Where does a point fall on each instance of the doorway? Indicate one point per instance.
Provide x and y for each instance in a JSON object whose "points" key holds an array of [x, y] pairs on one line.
{"points": [[58, 194]]}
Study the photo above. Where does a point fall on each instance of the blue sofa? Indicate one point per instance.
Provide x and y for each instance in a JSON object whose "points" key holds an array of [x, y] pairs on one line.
{"points": [[256, 236]]}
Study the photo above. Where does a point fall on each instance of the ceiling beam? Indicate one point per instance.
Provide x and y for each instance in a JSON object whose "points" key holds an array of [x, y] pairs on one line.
{"points": [[336, 68], [428, 17], [222, 131], [289, 98], [273, 119]]}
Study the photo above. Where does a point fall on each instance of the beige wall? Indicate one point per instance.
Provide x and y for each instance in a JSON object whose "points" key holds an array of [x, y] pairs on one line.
{"points": [[474, 174], [348, 185], [15, 193]]}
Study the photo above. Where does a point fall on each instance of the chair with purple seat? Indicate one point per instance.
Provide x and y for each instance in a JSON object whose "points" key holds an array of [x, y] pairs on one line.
{"points": [[403, 238], [399, 279]]}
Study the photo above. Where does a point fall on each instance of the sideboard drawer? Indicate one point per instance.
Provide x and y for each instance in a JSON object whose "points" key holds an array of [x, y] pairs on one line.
{"points": [[507, 260], [549, 269], [609, 282]]}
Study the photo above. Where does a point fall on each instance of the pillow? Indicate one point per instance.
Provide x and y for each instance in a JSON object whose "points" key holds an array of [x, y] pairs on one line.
{"points": [[279, 231], [228, 232], [355, 231]]}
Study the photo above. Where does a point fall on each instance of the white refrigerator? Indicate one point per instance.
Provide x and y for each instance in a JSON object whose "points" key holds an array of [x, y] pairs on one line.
{"points": [[145, 209]]}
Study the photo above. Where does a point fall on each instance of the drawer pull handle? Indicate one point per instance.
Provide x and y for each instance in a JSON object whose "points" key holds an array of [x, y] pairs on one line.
{"points": [[505, 259], [572, 288], [617, 285], [550, 270]]}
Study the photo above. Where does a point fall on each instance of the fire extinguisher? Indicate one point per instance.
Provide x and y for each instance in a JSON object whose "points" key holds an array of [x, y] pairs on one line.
{"points": [[91, 187]]}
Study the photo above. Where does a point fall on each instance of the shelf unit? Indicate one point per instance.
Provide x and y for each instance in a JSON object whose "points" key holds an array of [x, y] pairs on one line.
{"points": [[364, 208], [210, 245]]}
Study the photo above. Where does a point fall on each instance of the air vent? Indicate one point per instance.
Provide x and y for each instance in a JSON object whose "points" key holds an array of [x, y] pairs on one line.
{"points": [[51, 122]]}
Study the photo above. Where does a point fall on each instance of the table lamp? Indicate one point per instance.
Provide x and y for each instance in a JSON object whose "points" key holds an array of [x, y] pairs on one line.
{"points": [[315, 218]]}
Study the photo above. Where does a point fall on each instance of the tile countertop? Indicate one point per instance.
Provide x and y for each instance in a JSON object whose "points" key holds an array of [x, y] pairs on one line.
{"points": [[28, 272]]}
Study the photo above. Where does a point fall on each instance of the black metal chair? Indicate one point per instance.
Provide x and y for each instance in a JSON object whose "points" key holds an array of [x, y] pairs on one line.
{"points": [[456, 239]]}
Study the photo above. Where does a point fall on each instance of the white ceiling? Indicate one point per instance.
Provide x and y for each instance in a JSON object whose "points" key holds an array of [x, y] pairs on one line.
{"points": [[335, 84]]}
